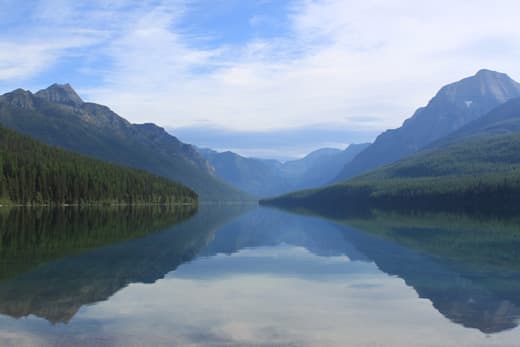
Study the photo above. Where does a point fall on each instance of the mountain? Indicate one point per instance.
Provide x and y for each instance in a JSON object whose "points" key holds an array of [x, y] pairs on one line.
{"points": [[61, 94], [258, 177], [263, 177], [454, 106], [503, 120], [32, 173], [476, 167], [57, 116], [489, 144], [318, 167]]}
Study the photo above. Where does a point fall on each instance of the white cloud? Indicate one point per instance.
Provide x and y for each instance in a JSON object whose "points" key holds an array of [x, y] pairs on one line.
{"points": [[55, 29], [341, 61], [17, 61]]}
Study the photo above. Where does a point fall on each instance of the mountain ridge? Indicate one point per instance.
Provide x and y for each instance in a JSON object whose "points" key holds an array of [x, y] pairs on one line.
{"points": [[476, 168], [268, 177], [453, 106], [95, 130], [61, 94]]}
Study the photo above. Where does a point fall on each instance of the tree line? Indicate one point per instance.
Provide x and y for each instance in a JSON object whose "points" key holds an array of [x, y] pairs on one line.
{"points": [[34, 173]]}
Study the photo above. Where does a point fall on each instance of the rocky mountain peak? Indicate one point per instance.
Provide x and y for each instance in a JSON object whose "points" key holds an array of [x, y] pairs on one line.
{"points": [[19, 98], [61, 94], [485, 83], [498, 84], [454, 106]]}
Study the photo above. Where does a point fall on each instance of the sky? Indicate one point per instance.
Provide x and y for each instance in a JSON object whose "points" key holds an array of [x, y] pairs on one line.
{"points": [[256, 68]]}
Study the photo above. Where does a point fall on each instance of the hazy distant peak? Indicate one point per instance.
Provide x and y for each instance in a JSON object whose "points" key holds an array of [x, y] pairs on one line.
{"points": [[324, 151], [482, 73], [486, 83], [486, 71], [497, 82], [60, 93]]}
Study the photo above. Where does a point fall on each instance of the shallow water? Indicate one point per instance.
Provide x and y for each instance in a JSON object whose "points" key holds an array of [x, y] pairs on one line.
{"points": [[243, 276]]}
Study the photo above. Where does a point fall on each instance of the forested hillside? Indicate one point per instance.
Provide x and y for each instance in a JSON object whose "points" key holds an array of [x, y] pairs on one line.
{"points": [[34, 173], [475, 167], [481, 172], [58, 117]]}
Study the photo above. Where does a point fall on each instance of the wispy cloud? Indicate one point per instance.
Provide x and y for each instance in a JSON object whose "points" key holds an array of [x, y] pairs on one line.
{"points": [[335, 61]]}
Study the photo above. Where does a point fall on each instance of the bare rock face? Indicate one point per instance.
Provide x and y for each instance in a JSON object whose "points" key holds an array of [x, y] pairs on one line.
{"points": [[19, 98], [60, 94]]}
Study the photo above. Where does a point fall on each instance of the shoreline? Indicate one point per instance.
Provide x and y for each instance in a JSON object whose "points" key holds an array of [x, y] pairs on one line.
{"points": [[98, 205]]}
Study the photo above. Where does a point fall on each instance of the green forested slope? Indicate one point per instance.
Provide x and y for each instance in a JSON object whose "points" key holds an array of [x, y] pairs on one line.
{"points": [[58, 117], [477, 166], [34, 173], [475, 156], [478, 172]]}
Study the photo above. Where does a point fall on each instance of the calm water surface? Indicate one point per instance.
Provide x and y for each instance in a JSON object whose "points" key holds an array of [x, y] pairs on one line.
{"points": [[247, 276]]}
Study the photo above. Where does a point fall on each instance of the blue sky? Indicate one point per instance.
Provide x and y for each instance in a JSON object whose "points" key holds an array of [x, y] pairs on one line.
{"points": [[254, 66]]}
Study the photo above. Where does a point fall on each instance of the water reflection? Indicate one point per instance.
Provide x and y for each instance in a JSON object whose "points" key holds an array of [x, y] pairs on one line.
{"points": [[56, 260], [236, 276], [467, 266], [32, 236]]}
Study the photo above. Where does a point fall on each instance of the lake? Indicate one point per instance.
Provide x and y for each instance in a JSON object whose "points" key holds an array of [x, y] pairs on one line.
{"points": [[249, 276]]}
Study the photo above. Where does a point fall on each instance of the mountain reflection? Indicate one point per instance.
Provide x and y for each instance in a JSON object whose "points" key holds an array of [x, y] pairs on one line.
{"points": [[467, 266], [56, 260]]}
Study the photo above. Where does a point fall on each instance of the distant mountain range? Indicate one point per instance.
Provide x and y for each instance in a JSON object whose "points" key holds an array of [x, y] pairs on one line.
{"points": [[59, 117], [454, 106], [264, 177], [489, 145], [475, 165]]}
